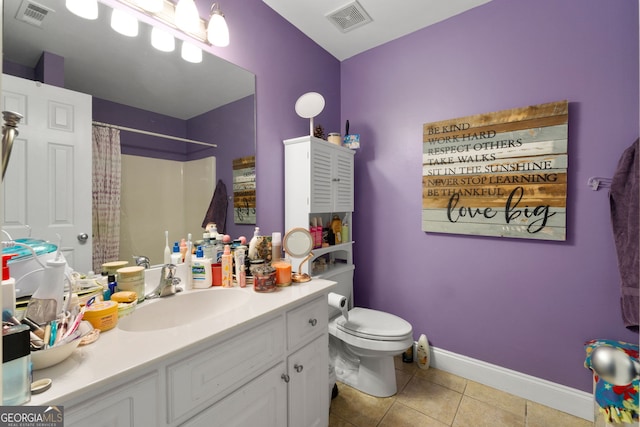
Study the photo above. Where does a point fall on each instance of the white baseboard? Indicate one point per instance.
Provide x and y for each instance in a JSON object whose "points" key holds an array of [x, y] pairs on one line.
{"points": [[557, 396]]}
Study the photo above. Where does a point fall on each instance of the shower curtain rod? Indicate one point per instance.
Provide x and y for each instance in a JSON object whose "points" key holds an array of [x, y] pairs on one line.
{"points": [[159, 135]]}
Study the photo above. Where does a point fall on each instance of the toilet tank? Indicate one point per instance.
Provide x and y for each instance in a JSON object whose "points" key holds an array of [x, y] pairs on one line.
{"points": [[344, 279]]}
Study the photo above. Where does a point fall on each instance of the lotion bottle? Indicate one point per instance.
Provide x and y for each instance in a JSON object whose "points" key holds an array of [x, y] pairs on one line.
{"points": [[201, 270], [227, 264], [176, 256], [8, 286], [423, 352], [253, 244]]}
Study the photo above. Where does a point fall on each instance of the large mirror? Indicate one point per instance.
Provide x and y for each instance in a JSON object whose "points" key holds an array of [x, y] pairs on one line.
{"points": [[167, 184]]}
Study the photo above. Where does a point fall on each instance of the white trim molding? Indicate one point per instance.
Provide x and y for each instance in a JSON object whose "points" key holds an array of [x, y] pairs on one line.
{"points": [[553, 395]]}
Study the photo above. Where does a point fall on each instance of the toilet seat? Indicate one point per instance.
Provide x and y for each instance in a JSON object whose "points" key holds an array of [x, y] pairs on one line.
{"points": [[374, 325]]}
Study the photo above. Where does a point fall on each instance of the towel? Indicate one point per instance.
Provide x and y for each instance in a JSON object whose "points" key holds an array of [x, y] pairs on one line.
{"points": [[625, 214], [217, 212]]}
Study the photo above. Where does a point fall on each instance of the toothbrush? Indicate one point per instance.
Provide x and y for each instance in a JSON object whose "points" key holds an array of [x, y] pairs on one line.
{"points": [[167, 251]]}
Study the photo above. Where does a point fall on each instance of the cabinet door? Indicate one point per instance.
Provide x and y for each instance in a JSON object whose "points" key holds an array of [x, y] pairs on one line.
{"points": [[331, 179], [130, 405], [343, 182], [309, 385], [262, 402], [321, 179]]}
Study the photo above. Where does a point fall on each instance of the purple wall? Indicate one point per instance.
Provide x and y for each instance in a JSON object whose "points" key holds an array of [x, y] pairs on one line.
{"points": [[522, 304], [144, 145], [232, 127], [286, 64]]}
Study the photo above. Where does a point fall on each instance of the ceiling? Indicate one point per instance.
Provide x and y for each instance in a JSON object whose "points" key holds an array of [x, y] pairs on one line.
{"points": [[390, 20]]}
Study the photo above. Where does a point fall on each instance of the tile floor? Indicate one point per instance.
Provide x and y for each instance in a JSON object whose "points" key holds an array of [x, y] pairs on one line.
{"points": [[434, 398]]}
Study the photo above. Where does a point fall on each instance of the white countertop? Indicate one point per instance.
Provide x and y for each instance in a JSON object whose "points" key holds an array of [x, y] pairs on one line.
{"points": [[122, 354]]}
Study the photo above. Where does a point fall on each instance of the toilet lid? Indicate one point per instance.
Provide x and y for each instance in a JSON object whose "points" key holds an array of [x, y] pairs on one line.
{"points": [[373, 324]]}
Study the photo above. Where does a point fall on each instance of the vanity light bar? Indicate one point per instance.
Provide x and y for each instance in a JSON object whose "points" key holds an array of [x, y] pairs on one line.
{"points": [[167, 16]]}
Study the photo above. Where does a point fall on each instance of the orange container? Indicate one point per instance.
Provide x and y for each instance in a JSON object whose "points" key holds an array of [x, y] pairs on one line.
{"points": [[102, 315], [283, 272], [216, 274]]}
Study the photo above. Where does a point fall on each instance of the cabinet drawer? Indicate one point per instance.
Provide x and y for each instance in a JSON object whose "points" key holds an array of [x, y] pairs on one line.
{"points": [[200, 380], [132, 404], [306, 322]]}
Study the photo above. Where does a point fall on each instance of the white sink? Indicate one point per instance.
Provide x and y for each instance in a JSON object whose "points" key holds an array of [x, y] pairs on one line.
{"points": [[183, 308]]}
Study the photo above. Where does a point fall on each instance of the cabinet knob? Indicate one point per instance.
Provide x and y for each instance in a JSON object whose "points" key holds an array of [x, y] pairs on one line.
{"points": [[313, 322], [335, 179], [285, 378], [298, 368]]}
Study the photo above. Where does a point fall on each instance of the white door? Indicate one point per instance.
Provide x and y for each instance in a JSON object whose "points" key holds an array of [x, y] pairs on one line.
{"points": [[47, 187]]}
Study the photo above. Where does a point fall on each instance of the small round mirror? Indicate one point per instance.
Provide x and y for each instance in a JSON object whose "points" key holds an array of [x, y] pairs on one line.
{"points": [[309, 105], [298, 243]]}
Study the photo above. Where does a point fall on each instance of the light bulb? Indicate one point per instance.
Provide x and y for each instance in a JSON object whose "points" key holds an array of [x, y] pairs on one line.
{"points": [[124, 23], [187, 17], [162, 40], [87, 9], [217, 30], [191, 53]]}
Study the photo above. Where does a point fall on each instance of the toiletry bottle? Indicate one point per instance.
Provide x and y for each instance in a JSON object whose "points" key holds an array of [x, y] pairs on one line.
{"points": [[167, 250], [423, 352], [276, 246], [187, 261], [319, 233], [16, 366], [112, 284], [241, 275], [253, 244], [227, 264], [207, 248], [312, 230], [8, 286], [219, 248], [183, 249], [201, 270], [176, 256], [344, 234], [336, 230]]}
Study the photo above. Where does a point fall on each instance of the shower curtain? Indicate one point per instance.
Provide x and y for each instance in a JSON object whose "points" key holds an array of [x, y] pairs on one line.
{"points": [[106, 195]]}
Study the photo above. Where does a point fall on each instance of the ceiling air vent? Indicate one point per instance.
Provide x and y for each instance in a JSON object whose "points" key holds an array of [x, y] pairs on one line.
{"points": [[32, 13], [349, 17]]}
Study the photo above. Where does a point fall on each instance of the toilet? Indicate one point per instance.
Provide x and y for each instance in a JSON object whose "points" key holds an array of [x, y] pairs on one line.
{"points": [[362, 348]]}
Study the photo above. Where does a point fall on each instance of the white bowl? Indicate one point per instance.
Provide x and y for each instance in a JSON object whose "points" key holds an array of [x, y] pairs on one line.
{"points": [[53, 355]]}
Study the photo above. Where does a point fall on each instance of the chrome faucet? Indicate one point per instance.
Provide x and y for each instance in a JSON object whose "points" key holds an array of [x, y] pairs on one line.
{"points": [[168, 282], [143, 261]]}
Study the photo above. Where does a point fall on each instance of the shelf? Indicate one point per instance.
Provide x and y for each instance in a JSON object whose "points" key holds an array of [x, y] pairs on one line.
{"points": [[333, 248], [333, 270]]}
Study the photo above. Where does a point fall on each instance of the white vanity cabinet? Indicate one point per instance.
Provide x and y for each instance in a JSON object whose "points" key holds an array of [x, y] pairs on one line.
{"points": [[271, 371], [131, 404], [308, 364]]}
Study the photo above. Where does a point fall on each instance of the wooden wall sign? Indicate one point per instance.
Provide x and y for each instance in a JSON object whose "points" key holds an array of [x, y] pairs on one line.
{"points": [[244, 190], [497, 174]]}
